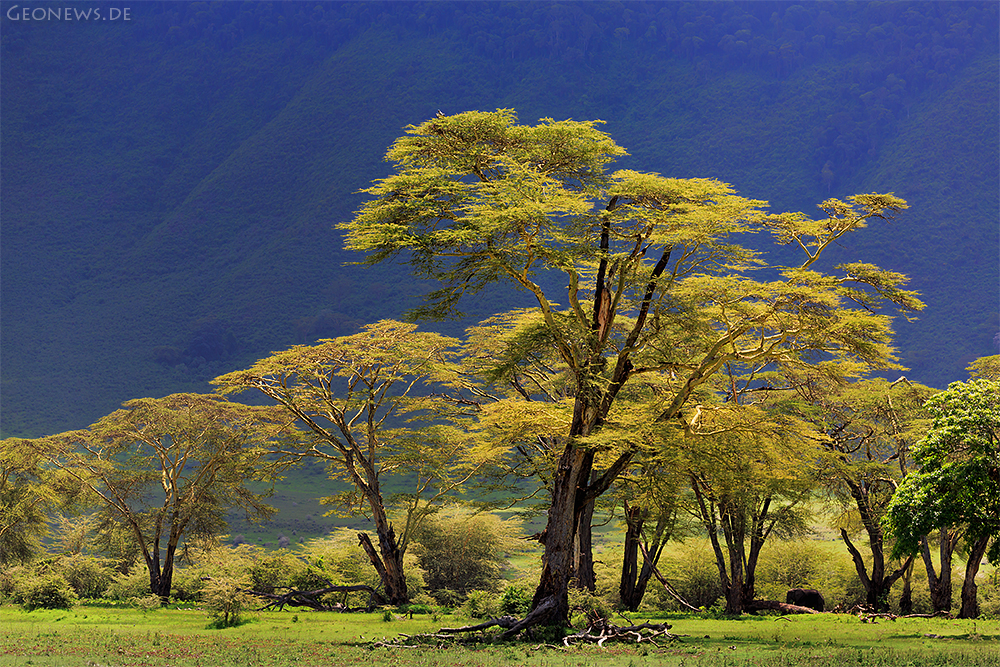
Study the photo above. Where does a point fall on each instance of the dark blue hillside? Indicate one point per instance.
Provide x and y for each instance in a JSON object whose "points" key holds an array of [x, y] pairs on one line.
{"points": [[170, 185]]}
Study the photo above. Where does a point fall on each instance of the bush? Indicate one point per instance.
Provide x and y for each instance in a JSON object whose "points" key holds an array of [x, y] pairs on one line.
{"points": [[515, 601], [447, 597], [227, 601], [482, 604], [463, 551], [989, 595], [274, 571], [585, 603], [9, 579], [47, 591], [146, 602], [89, 576], [188, 584], [339, 559], [693, 574], [128, 586]]}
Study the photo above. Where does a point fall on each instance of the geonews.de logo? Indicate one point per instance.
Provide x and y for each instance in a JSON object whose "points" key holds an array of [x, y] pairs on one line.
{"points": [[63, 14]]}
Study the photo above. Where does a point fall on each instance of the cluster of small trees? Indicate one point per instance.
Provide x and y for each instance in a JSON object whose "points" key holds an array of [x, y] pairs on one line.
{"points": [[676, 372]]}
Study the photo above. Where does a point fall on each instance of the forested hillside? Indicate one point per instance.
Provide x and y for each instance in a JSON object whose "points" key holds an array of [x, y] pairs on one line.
{"points": [[170, 184]]}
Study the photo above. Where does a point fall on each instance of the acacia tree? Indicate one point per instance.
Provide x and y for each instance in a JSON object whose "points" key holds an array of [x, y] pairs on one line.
{"points": [[867, 429], [651, 497], [26, 496], [750, 475], [163, 469], [351, 393], [653, 282], [958, 480]]}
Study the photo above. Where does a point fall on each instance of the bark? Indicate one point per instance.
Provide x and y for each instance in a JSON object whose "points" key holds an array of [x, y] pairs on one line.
{"points": [[550, 605], [393, 580], [940, 583], [734, 529], [583, 549], [584, 571], [571, 492], [970, 602]]}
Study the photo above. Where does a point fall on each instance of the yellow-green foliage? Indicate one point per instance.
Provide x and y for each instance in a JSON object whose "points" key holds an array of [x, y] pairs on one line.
{"points": [[227, 600], [464, 551]]}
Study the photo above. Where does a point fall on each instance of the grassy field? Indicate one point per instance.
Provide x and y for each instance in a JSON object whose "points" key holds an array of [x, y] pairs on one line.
{"points": [[97, 636]]}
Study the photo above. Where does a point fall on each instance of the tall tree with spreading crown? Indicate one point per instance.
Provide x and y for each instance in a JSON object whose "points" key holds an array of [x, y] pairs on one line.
{"points": [[654, 282]]}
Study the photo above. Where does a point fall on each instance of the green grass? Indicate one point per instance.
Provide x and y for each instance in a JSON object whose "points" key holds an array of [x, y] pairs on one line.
{"points": [[91, 636]]}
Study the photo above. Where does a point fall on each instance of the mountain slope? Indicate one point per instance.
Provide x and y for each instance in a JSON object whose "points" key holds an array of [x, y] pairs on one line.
{"points": [[168, 203]]}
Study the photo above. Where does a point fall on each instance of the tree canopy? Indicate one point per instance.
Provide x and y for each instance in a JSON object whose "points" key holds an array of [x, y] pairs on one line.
{"points": [[654, 282], [957, 484], [353, 394], [164, 469]]}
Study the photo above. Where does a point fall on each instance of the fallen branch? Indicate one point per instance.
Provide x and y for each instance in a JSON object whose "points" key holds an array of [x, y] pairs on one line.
{"points": [[600, 630], [502, 621], [783, 607], [666, 585], [296, 598]]}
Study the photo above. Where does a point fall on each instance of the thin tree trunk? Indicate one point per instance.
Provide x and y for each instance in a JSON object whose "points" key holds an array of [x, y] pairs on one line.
{"points": [[970, 602], [877, 586], [906, 599]]}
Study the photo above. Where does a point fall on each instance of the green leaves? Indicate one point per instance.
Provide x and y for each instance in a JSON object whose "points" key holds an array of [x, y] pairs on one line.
{"points": [[958, 482]]}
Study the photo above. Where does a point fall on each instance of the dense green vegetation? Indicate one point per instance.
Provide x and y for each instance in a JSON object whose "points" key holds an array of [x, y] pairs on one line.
{"points": [[169, 197]]}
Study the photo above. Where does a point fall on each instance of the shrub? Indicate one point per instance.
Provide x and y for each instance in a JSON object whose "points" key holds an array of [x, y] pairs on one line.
{"points": [[89, 576], [274, 570], [515, 601], [146, 602], [447, 597], [227, 601], [463, 551], [482, 604], [585, 603], [188, 584], [47, 591], [339, 559], [128, 586], [693, 574], [9, 578]]}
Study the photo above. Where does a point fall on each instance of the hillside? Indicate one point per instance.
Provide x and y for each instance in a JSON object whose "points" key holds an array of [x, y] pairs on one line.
{"points": [[170, 186]]}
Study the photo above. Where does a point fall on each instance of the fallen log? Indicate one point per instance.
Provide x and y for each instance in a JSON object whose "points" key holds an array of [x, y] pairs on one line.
{"points": [[501, 621], [310, 599], [783, 607]]}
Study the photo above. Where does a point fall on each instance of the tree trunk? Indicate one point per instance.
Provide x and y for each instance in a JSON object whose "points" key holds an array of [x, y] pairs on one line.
{"points": [[551, 599], [940, 583], [627, 593], [970, 602], [388, 560], [583, 557], [733, 518], [878, 586], [906, 599]]}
